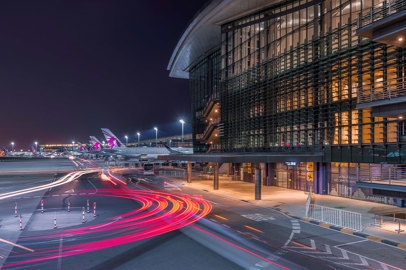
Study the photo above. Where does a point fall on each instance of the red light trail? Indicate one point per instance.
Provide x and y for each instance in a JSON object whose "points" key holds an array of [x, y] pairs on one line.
{"points": [[160, 212]]}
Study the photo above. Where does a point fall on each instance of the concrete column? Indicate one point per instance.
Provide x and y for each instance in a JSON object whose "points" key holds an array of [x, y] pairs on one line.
{"points": [[189, 172], [270, 174], [263, 172], [321, 177], [229, 169], [258, 185], [216, 177]]}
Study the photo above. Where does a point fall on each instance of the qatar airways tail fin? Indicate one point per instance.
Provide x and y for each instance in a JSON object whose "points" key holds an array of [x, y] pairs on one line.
{"points": [[111, 139], [80, 147], [96, 144]]}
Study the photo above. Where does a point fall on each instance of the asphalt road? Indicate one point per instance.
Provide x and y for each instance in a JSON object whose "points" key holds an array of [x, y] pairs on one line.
{"points": [[307, 245], [234, 235]]}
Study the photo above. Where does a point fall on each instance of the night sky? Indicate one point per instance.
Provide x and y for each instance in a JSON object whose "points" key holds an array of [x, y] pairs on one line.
{"points": [[69, 68]]}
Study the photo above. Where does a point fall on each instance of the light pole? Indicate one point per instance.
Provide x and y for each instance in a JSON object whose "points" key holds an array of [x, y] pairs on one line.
{"points": [[73, 142], [156, 136], [183, 123], [36, 146], [12, 146], [138, 135], [126, 139]]}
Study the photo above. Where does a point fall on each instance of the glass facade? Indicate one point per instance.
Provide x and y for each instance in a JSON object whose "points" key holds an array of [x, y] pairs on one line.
{"points": [[204, 78], [291, 76]]}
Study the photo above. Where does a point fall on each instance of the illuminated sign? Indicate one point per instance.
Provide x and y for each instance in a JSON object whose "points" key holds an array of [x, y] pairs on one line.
{"points": [[310, 167]]}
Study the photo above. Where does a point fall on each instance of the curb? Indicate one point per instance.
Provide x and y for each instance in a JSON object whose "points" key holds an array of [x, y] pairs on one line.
{"points": [[348, 231]]}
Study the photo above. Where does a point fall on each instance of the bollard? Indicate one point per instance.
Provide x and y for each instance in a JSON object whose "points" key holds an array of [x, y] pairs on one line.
{"points": [[68, 206], [88, 206], [21, 224], [15, 209], [55, 222], [94, 209], [42, 206], [399, 230], [83, 215]]}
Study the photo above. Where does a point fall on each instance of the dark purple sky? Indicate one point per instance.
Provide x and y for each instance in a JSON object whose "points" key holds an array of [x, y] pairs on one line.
{"points": [[70, 67]]}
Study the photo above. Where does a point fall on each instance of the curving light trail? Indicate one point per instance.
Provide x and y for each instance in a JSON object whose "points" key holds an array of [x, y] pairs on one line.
{"points": [[159, 212], [61, 181]]}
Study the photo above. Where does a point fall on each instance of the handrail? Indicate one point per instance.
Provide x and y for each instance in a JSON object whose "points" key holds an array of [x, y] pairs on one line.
{"points": [[389, 91], [380, 11]]}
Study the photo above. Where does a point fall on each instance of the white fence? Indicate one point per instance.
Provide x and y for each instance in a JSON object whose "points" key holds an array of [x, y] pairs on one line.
{"points": [[172, 173], [336, 217]]}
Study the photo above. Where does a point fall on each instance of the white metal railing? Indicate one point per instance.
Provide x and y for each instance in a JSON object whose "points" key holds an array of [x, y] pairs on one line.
{"points": [[381, 10], [382, 92], [172, 173], [336, 217]]}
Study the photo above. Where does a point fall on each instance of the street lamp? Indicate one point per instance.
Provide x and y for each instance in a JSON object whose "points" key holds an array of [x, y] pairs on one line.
{"points": [[73, 142], [12, 146], [126, 139], [36, 146], [183, 123], [156, 136], [138, 135]]}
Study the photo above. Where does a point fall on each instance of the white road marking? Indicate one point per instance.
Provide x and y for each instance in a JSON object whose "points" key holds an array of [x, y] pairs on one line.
{"points": [[351, 243], [342, 259], [59, 265], [258, 217], [92, 185]]}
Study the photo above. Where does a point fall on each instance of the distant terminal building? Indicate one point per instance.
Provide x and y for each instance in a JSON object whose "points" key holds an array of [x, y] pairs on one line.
{"points": [[173, 141], [311, 93], [57, 147]]}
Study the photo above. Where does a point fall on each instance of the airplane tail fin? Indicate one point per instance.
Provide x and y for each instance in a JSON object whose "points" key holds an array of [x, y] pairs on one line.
{"points": [[171, 150], [111, 139], [96, 144], [80, 147]]}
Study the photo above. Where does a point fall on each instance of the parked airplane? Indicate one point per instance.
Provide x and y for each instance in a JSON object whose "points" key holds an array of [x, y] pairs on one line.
{"points": [[143, 153], [96, 144]]}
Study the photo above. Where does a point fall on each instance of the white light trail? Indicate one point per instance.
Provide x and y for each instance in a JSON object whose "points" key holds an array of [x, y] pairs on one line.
{"points": [[61, 181]]}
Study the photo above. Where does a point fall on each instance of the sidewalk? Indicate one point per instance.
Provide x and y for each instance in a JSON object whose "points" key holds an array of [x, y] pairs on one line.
{"points": [[294, 202]]}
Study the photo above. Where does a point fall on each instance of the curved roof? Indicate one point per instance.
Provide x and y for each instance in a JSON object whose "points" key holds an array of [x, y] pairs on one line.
{"points": [[204, 33]]}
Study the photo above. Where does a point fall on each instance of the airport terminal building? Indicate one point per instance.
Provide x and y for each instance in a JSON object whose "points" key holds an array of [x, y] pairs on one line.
{"points": [[311, 92]]}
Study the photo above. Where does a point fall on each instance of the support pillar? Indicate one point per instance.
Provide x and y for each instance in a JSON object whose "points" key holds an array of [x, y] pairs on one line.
{"points": [[270, 174], [229, 165], [263, 173], [216, 177], [322, 177], [258, 184], [189, 172]]}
